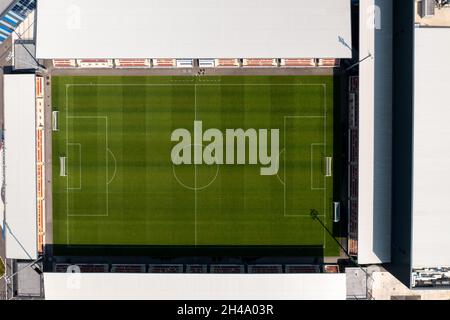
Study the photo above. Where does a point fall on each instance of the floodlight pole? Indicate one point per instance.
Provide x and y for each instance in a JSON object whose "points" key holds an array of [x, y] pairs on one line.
{"points": [[357, 63], [315, 216]]}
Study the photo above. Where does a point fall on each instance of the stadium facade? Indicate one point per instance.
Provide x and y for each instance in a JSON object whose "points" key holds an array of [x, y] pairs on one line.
{"points": [[420, 242]]}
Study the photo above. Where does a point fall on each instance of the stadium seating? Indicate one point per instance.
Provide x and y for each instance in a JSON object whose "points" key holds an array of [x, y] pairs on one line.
{"points": [[297, 63], [328, 63], [206, 63], [353, 228], [261, 268], [164, 63], [331, 268], [227, 268], [40, 162], [354, 84], [196, 268], [132, 63], [64, 63], [128, 268], [259, 63], [165, 268], [185, 63], [352, 110], [39, 87], [354, 145], [353, 181], [227, 63], [299, 268], [95, 63], [40, 199], [93, 268]]}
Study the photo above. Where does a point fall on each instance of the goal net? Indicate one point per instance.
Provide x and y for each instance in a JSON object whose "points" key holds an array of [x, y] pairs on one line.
{"points": [[62, 167], [55, 120]]}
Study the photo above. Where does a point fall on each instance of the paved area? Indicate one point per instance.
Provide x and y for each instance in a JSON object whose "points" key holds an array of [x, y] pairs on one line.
{"points": [[357, 279]]}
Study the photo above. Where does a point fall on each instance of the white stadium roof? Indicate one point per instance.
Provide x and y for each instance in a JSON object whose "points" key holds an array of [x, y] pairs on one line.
{"points": [[193, 29], [375, 133], [20, 163], [431, 155], [126, 286]]}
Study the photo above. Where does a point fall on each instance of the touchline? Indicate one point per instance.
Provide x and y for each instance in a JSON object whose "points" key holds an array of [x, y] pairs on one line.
{"points": [[208, 147]]}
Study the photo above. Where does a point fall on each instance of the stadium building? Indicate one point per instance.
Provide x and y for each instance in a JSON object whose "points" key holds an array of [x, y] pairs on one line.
{"points": [[125, 160], [420, 241]]}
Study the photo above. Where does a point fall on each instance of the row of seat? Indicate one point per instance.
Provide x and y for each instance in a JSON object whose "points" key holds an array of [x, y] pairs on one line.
{"points": [[189, 63], [353, 148], [40, 161], [195, 268]]}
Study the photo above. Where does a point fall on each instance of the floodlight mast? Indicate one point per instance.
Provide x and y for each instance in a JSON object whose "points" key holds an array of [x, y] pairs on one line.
{"points": [[315, 216], [360, 61]]}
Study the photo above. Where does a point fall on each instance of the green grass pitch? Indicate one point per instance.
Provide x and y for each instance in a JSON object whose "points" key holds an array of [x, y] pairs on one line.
{"points": [[122, 188]]}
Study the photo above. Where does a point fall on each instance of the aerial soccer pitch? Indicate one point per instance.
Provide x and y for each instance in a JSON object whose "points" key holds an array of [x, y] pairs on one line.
{"points": [[193, 161]]}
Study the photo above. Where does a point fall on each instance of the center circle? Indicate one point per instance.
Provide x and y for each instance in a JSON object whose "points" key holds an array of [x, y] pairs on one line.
{"points": [[195, 187]]}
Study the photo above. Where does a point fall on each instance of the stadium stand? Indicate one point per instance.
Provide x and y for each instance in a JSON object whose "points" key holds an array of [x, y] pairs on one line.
{"points": [[353, 150], [164, 63], [352, 112], [299, 268], [263, 268], [233, 63], [95, 63], [330, 63], [132, 63], [128, 268], [93, 268], [196, 268], [297, 62], [40, 161], [331, 268], [206, 63], [259, 63], [353, 228], [13, 16], [185, 63], [39, 87], [165, 268], [226, 268], [353, 181], [64, 63], [353, 84]]}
